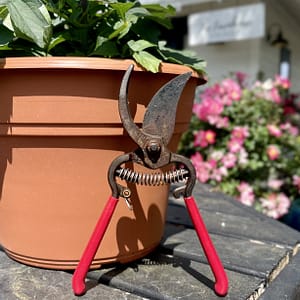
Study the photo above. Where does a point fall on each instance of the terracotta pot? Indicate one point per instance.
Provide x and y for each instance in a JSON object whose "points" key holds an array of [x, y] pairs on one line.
{"points": [[59, 132]]}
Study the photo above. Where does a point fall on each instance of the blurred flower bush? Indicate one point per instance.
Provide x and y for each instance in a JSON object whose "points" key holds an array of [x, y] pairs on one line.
{"points": [[242, 140]]}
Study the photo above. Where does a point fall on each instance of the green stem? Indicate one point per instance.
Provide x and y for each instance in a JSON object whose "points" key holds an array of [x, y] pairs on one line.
{"points": [[84, 4]]}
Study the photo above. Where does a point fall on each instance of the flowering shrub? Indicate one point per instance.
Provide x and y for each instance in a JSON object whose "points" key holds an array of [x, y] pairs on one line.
{"points": [[241, 141]]}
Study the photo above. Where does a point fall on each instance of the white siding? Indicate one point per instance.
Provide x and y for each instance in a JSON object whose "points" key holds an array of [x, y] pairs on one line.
{"points": [[230, 57], [269, 58], [256, 55]]}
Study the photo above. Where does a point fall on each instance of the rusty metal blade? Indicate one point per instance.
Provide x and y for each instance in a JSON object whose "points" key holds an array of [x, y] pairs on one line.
{"points": [[159, 119], [127, 120]]}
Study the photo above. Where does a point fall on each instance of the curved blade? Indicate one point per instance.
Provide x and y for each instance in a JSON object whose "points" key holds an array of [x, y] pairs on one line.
{"points": [[126, 118], [160, 115]]}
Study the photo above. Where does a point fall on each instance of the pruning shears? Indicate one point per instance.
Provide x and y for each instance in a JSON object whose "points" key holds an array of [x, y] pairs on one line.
{"points": [[152, 140]]}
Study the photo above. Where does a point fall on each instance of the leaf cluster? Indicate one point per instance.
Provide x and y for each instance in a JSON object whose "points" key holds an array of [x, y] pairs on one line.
{"points": [[102, 28]]}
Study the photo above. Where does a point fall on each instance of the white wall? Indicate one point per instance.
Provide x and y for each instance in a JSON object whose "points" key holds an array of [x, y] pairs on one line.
{"points": [[291, 30], [253, 56], [229, 57]]}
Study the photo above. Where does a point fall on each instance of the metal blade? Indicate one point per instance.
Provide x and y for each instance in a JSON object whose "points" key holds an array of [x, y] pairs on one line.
{"points": [[126, 118], [159, 119]]}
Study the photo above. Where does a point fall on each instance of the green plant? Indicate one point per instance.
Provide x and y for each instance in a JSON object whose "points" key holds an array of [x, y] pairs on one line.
{"points": [[113, 29], [241, 142]]}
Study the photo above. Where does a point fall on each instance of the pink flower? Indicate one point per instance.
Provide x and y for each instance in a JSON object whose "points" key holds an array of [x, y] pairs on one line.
{"points": [[223, 171], [199, 139], [243, 156], [240, 133], [246, 196], [217, 174], [282, 82], [232, 91], [213, 91], [269, 91], [202, 167], [238, 136], [217, 155], [275, 205], [274, 95], [235, 145], [197, 159], [206, 170], [213, 163], [210, 136], [241, 78], [208, 107], [204, 138], [229, 160], [273, 152], [218, 121], [296, 182], [293, 130], [275, 184], [274, 130]]}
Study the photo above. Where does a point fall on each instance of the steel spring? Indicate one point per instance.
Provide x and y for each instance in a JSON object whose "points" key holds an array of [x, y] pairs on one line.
{"points": [[153, 179]]}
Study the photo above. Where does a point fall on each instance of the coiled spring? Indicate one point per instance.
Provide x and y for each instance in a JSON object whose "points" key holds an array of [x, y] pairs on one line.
{"points": [[153, 179]]}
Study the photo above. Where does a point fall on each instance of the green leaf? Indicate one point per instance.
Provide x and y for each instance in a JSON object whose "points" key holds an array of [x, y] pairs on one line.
{"points": [[138, 12], [122, 8], [129, 17], [182, 57], [6, 36], [152, 33], [3, 12], [139, 45], [161, 14], [147, 61], [31, 21], [4, 18], [106, 48], [121, 28], [56, 41]]}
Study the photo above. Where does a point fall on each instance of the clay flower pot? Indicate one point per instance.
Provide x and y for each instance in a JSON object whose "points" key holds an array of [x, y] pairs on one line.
{"points": [[60, 130]]}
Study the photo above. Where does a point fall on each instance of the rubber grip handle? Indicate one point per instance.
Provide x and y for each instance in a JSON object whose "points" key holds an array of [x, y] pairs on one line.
{"points": [[221, 280], [78, 280]]}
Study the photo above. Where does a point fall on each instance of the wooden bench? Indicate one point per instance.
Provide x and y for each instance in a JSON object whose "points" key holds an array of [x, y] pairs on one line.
{"points": [[260, 256]]}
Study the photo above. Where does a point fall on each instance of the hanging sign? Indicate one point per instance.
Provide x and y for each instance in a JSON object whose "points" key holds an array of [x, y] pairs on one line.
{"points": [[229, 24]]}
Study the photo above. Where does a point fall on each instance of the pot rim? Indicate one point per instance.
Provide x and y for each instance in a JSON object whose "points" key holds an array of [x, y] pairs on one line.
{"points": [[89, 63]]}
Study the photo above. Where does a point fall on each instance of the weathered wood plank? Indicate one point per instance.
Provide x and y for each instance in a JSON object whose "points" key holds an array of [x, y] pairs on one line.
{"points": [[244, 226], [167, 277], [244, 256], [210, 199], [287, 285], [18, 281]]}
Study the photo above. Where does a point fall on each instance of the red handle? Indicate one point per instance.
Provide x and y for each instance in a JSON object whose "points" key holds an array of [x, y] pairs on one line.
{"points": [[221, 284], [78, 280]]}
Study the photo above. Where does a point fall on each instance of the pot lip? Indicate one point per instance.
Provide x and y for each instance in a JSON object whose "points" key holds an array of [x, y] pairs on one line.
{"points": [[90, 63]]}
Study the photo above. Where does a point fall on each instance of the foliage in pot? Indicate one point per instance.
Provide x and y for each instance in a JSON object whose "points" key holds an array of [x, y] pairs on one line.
{"points": [[113, 29]]}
